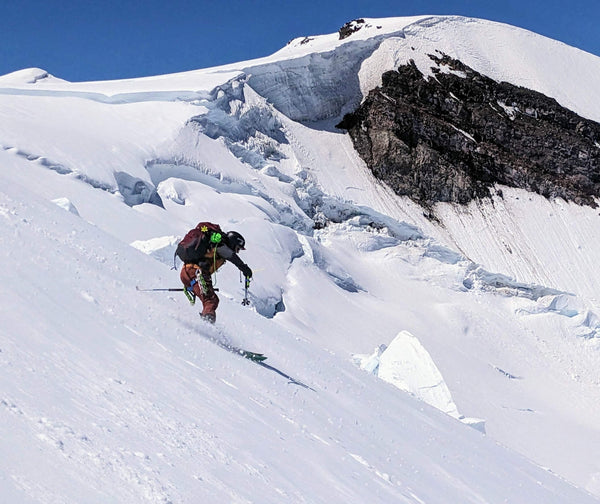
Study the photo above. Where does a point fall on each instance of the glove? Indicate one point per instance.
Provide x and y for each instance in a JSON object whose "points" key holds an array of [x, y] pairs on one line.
{"points": [[246, 271]]}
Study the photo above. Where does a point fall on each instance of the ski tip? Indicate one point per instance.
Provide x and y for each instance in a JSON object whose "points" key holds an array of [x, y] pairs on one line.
{"points": [[257, 357]]}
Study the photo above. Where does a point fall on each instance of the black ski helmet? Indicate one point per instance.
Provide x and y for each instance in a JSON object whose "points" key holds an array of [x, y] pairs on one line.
{"points": [[236, 240]]}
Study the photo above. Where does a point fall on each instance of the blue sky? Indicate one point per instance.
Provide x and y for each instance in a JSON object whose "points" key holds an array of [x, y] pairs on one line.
{"points": [[81, 40]]}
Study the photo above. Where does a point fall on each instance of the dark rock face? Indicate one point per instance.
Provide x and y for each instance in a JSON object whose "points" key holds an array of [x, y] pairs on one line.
{"points": [[350, 27], [452, 137]]}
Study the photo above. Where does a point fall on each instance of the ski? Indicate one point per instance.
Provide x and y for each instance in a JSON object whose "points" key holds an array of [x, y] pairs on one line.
{"points": [[257, 358], [253, 356]]}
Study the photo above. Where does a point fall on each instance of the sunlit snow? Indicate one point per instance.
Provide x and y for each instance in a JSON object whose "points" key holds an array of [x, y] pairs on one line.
{"points": [[485, 318]]}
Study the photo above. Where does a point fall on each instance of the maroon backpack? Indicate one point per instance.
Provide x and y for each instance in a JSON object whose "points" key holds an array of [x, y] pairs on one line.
{"points": [[192, 249]]}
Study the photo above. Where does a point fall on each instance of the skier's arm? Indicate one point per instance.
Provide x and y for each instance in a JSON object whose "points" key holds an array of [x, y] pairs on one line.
{"points": [[226, 253]]}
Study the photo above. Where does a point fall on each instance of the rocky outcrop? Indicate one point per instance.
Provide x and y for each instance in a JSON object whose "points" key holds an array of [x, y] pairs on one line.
{"points": [[453, 136], [350, 27]]}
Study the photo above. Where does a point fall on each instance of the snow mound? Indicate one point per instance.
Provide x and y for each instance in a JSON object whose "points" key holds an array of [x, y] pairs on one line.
{"points": [[579, 316], [161, 248], [66, 204], [28, 76], [407, 365]]}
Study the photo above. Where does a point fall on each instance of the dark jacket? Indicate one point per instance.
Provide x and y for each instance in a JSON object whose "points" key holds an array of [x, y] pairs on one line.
{"points": [[214, 259]]}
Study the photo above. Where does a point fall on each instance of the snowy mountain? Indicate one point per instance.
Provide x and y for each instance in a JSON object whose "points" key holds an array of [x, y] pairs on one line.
{"points": [[452, 359]]}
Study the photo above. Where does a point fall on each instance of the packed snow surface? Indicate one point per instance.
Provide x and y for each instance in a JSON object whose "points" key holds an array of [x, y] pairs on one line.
{"points": [[484, 318]]}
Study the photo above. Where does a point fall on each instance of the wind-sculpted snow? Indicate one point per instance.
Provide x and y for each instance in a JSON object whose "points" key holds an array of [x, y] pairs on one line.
{"points": [[27, 76], [134, 191], [43, 161], [117, 99], [578, 316], [315, 87], [133, 134], [66, 204], [407, 365], [245, 121], [477, 278]]}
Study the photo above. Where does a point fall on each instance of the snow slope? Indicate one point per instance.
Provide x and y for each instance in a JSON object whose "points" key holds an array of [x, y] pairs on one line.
{"points": [[108, 394]]}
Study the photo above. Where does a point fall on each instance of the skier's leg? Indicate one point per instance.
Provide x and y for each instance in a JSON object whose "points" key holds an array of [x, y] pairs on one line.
{"points": [[207, 295], [188, 276]]}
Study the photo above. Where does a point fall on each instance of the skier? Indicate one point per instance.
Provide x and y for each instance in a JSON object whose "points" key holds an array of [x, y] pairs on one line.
{"points": [[203, 251]]}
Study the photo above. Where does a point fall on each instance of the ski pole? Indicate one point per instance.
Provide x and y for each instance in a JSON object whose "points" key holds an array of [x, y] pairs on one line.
{"points": [[176, 289], [246, 301]]}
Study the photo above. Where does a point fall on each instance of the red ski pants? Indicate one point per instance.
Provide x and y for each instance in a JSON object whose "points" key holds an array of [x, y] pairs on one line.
{"points": [[201, 283]]}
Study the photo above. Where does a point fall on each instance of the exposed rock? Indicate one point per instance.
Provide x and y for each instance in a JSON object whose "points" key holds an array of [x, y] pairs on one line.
{"points": [[351, 27], [452, 136]]}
